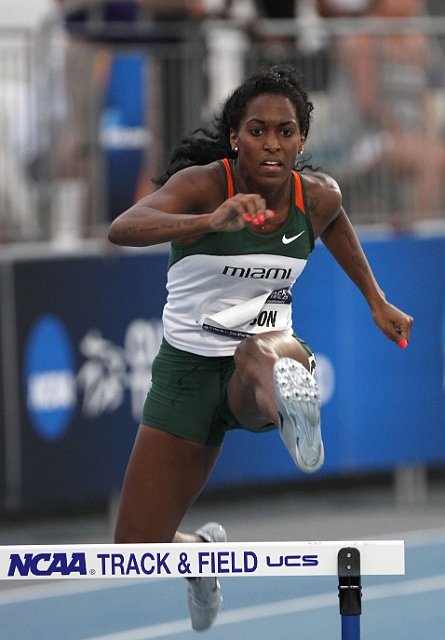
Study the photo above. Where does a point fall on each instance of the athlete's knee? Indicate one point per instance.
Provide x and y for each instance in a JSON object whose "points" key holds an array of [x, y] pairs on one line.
{"points": [[257, 353], [252, 355]]}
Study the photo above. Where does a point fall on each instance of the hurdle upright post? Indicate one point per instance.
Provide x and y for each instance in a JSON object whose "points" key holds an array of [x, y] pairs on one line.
{"points": [[349, 592]]}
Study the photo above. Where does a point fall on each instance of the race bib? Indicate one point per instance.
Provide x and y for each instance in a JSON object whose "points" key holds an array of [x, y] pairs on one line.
{"points": [[267, 312]]}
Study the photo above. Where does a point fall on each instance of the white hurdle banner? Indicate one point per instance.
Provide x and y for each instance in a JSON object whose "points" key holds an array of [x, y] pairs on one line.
{"points": [[91, 561]]}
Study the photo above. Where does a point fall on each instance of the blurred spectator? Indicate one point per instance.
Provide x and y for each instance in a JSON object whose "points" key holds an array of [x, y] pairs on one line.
{"points": [[17, 196], [342, 8], [306, 51], [93, 19], [277, 47], [136, 125], [391, 77], [378, 120]]}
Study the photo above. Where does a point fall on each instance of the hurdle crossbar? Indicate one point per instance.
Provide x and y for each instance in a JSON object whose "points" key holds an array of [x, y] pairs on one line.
{"points": [[347, 560], [91, 561]]}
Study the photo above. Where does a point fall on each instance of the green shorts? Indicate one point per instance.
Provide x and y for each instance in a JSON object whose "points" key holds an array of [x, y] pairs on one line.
{"points": [[188, 397]]}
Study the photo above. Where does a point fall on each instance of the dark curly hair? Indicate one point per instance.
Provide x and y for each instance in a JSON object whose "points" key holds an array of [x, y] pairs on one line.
{"points": [[206, 145]]}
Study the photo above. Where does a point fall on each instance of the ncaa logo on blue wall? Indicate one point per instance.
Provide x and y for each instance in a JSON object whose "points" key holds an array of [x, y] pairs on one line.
{"points": [[50, 378]]}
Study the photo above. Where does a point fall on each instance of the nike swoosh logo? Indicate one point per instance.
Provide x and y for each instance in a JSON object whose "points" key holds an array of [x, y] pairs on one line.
{"points": [[287, 240]]}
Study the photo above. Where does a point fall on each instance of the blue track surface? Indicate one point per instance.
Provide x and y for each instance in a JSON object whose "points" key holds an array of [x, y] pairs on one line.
{"points": [[394, 608]]}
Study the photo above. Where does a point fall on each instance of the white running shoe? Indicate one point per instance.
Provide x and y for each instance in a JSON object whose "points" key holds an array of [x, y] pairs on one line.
{"points": [[298, 403], [204, 594]]}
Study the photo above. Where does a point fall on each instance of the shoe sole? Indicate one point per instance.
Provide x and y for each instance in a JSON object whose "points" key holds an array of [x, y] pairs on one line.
{"points": [[298, 403]]}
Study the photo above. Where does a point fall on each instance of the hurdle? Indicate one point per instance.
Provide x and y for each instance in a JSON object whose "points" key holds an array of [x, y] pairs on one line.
{"points": [[348, 560]]}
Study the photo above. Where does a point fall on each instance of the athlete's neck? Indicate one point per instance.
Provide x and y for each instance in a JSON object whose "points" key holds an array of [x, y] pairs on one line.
{"points": [[277, 195]]}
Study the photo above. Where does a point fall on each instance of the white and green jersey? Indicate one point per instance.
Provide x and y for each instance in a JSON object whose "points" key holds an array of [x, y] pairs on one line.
{"points": [[230, 285]]}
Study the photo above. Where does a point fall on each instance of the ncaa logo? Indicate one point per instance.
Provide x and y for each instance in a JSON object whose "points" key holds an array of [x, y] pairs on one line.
{"points": [[50, 378]]}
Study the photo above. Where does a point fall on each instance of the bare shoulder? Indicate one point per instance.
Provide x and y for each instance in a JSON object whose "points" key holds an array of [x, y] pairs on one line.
{"points": [[324, 199], [196, 189], [199, 177], [201, 185], [317, 182]]}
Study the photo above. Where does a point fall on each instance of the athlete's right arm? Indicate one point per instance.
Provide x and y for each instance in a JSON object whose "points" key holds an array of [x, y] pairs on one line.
{"points": [[179, 210]]}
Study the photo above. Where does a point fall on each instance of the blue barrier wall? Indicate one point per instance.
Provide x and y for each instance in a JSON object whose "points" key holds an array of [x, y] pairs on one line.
{"points": [[88, 329], [77, 423]]}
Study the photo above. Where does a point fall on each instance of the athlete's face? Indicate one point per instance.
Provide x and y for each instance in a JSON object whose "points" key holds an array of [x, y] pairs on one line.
{"points": [[268, 138]]}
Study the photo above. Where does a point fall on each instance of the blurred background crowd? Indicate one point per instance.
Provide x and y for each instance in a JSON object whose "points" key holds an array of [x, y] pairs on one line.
{"points": [[94, 94]]}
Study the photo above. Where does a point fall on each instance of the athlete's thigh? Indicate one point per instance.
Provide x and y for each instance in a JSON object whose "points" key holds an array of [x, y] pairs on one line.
{"points": [[186, 391], [165, 474]]}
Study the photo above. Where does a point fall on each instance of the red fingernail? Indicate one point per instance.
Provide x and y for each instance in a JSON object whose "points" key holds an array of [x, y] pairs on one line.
{"points": [[260, 218], [402, 344], [272, 213], [248, 218]]}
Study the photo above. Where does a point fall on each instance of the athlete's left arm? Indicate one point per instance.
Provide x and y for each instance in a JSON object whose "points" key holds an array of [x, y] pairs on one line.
{"points": [[341, 240]]}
